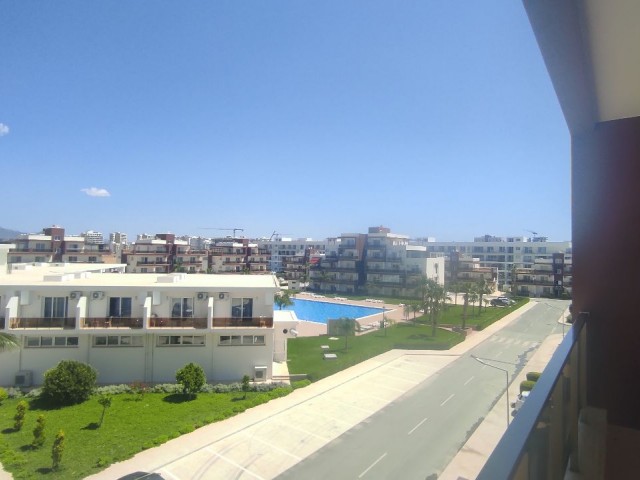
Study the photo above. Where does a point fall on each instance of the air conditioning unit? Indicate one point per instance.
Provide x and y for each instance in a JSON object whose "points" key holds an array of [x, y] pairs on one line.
{"points": [[75, 295], [24, 378], [222, 296], [203, 295], [260, 373], [97, 295]]}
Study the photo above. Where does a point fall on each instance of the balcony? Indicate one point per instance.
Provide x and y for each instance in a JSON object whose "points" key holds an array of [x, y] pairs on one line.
{"points": [[156, 262], [199, 323], [266, 322], [57, 323], [545, 433], [112, 322]]}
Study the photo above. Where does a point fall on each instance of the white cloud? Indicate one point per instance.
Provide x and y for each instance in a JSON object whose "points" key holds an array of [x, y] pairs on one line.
{"points": [[4, 129], [96, 192]]}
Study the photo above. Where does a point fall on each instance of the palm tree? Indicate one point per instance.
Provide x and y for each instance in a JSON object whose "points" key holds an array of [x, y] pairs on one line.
{"points": [[473, 298], [465, 288], [346, 326], [282, 299], [483, 289], [8, 341]]}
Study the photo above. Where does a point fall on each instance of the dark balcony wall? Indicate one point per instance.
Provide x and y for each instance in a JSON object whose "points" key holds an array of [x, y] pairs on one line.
{"points": [[606, 235]]}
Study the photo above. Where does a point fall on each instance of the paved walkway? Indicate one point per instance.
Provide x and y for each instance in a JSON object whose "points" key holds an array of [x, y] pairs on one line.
{"points": [[267, 440]]}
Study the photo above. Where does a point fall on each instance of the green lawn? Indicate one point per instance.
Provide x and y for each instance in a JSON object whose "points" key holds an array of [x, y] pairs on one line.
{"points": [[475, 317], [130, 426], [306, 356]]}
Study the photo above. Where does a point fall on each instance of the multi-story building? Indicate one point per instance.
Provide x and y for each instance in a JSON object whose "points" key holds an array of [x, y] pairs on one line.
{"points": [[503, 253], [118, 238], [134, 327], [547, 277], [52, 245], [282, 249], [238, 256], [92, 237], [462, 268], [152, 255], [379, 262]]}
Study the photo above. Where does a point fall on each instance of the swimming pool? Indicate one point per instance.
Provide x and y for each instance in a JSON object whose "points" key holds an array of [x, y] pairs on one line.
{"points": [[322, 311]]}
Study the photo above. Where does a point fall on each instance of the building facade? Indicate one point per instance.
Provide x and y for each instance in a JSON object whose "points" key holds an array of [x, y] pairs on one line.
{"points": [[134, 327]]}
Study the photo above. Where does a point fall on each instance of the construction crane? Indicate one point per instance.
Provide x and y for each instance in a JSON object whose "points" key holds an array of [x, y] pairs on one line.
{"points": [[535, 234], [276, 233], [234, 230]]}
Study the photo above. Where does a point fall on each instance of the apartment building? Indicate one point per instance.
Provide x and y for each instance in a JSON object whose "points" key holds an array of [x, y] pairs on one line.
{"points": [[53, 245], [463, 268], [379, 262], [503, 253], [135, 327], [119, 238], [547, 277], [283, 251], [92, 237], [238, 255]]}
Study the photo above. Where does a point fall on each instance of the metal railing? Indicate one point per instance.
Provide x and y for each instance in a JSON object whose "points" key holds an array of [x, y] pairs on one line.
{"points": [[266, 322], [65, 323], [112, 322], [543, 435], [199, 323]]}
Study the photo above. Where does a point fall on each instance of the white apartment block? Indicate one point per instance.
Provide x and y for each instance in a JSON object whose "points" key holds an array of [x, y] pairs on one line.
{"points": [[93, 238], [134, 327], [119, 238], [503, 253], [282, 247], [547, 277]]}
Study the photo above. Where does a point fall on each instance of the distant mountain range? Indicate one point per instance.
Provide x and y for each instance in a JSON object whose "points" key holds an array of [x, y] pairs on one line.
{"points": [[6, 234]]}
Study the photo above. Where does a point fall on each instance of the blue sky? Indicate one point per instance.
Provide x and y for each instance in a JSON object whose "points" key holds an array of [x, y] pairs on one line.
{"points": [[306, 118]]}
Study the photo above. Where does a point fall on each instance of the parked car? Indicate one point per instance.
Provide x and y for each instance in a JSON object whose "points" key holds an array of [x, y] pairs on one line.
{"points": [[499, 302], [507, 300]]}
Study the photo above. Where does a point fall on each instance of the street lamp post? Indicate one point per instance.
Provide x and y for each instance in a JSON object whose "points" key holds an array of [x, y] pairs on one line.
{"points": [[506, 373]]}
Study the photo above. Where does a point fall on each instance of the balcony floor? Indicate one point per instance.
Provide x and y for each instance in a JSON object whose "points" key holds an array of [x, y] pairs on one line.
{"points": [[623, 452]]}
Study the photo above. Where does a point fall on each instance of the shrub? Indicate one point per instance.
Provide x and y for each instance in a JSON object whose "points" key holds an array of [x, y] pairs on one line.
{"points": [[533, 376], [105, 402], [114, 389], [38, 432], [57, 450], [21, 411], [246, 385], [69, 382], [192, 378], [526, 385], [3, 395]]}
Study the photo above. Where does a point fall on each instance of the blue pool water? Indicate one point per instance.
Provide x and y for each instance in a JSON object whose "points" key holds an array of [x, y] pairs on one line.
{"points": [[322, 311]]}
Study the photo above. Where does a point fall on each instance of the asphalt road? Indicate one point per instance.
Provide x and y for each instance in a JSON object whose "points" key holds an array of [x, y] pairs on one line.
{"points": [[416, 436]]}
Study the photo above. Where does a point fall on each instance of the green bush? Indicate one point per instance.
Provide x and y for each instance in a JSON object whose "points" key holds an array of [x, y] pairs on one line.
{"points": [[192, 378], [38, 432], [21, 411], [300, 383], [3, 395], [57, 450], [69, 382], [533, 376], [526, 385]]}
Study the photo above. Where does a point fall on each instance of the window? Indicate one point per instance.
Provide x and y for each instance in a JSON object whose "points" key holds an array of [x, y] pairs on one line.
{"points": [[241, 340], [93, 259], [120, 307], [73, 258], [117, 341], [242, 307], [184, 340], [182, 307], [50, 342], [40, 247], [55, 307]]}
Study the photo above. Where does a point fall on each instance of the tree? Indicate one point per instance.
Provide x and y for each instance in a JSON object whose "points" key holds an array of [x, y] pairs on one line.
{"points": [[8, 341], [69, 382], [192, 378], [245, 385], [483, 289], [282, 299], [18, 418], [434, 297], [465, 288], [38, 432], [346, 326], [415, 308], [105, 402], [473, 298], [57, 450]]}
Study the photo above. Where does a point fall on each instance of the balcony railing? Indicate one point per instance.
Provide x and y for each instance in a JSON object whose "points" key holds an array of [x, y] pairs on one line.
{"points": [[44, 323], [112, 322], [199, 323], [243, 322], [544, 434]]}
